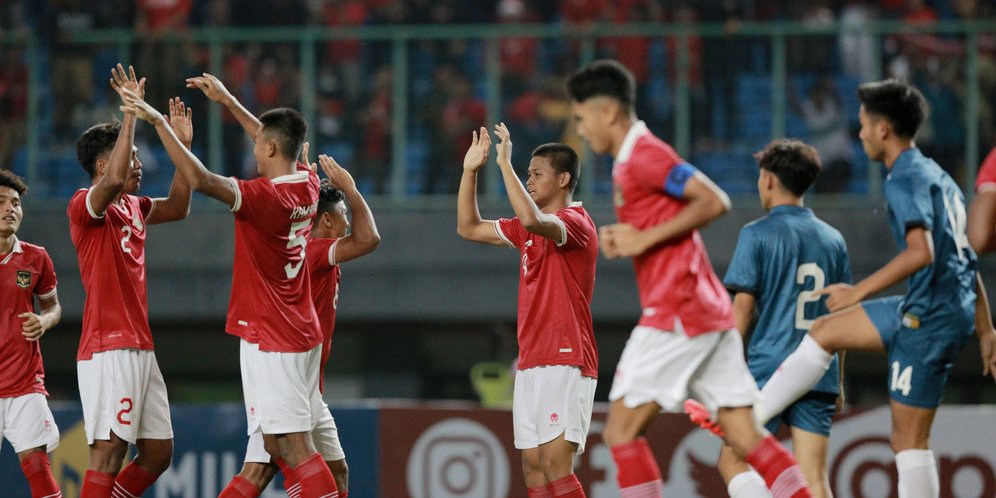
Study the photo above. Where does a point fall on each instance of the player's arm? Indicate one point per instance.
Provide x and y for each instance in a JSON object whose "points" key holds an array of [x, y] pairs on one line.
{"points": [[984, 327], [470, 226], [112, 183], [215, 90], [919, 254], [196, 175], [743, 311], [176, 205], [363, 237], [529, 214], [705, 202], [35, 325], [982, 222]]}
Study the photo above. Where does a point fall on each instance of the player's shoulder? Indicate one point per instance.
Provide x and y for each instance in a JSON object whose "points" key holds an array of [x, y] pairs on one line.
{"points": [[32, 250], [651, 148]]}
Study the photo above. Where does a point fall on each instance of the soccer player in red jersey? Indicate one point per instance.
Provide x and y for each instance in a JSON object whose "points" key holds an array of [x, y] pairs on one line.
{"points": [[25, 272], [558, 359], [121, 388], [270, 307], [685, 345], [982, 237], [328, 247]]}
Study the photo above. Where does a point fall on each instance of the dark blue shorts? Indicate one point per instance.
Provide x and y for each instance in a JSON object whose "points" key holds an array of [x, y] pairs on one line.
{"points": [[921, 351], [812, 413]]}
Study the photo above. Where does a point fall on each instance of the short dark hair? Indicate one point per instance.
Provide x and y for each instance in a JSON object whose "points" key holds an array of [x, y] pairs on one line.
{"points": [[563, 159], [288, 127], [328, 197], [796, 164], [9, 179], [898, 102], [94, 142], [607, 78]]}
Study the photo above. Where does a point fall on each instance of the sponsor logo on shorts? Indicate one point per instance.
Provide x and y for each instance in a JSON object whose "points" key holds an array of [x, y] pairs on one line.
{"points": [[554, 418], [23, 279], [47, 425]]}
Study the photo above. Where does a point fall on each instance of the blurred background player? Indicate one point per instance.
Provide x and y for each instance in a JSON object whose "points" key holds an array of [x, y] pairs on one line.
{"points": [[270, 309], [685, 345], [26, 271], [779, 261], [558, 361], [923, 331], [329, 246], [982, 237], [121, 388]]}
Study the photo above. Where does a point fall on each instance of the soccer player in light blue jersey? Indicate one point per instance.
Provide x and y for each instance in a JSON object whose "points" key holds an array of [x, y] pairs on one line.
{"points": [[923, 331], [780, 261]]}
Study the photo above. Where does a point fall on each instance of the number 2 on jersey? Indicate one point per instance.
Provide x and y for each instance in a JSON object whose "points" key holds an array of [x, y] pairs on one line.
{"points": [[806, 271], [297, 239]]}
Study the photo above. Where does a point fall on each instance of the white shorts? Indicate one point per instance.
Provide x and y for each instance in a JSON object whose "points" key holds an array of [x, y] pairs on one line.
{"points": [[669, 367], [281, 389], [123, 391], [27, 423], [325, 436], [549, 401]]}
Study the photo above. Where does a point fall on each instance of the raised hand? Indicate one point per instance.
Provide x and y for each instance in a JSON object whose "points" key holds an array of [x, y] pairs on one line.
{"points": [[477, 153], [504, 147], [212, 87], [120, 81], [134, 105], [32, 328], [338, 176], [181, 120], [304, 157]]}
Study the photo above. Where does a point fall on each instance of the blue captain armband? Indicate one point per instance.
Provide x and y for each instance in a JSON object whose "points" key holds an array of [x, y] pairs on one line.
{"points": [[677, 178]]}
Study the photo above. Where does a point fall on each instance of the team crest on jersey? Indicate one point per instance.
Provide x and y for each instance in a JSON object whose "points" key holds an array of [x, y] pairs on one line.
{"points": [[136, 222], [23, 279]]}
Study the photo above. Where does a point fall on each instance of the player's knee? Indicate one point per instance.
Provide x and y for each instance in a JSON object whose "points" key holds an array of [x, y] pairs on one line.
{"points": [[258, 474], [107, 456], [820, 332], [616, 436], [904, 440]]}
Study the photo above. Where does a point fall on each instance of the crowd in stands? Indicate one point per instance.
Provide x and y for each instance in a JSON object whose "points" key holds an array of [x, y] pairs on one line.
{"points": [[729, 76]]}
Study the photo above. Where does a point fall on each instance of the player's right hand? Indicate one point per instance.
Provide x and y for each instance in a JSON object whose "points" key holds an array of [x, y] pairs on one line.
{"points": [[134, 105], [32, 329], [121, 81], [212, 87], [181, 120], [338, 176], [477, 153]]}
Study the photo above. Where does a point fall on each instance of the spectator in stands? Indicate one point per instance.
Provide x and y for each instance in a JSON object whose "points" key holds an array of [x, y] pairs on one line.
{"points": [[375, 119], [826, 122], [13, 104], [518, 54], [462, 111], [345, 55], [160, 58], [72, 66]]}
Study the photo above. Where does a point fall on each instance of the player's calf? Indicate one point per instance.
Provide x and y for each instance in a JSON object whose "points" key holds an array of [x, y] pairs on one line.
{"points": [[340, 472]]}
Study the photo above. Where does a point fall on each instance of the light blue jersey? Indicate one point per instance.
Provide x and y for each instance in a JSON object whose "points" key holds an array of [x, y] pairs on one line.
{"points": [[782, 259], [920, 194]]}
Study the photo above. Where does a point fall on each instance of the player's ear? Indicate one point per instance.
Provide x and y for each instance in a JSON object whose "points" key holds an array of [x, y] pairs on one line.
{"points": [[100, 166], [563, 179]]}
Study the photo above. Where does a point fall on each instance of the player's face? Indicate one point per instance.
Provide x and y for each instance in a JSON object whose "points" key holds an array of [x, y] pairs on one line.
{"points": [[869, 135], [591, 121], [763, 188], [542, 181], [10, 211], [134, 180]]}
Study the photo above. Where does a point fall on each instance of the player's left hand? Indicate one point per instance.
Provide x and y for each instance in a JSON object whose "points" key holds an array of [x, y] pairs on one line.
{"points": [[33, 328], [622, 240], [987, 348], [338, 176], [121, 82], [181, 120], [305, 150], [840, 296], [139, 108], [504, 147]]}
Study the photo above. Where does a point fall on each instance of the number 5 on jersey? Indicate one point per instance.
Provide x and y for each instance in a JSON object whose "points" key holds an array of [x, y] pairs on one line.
{"points": [[296, 239]]}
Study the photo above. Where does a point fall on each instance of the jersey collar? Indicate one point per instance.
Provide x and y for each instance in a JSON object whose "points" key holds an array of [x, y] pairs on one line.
{"points": [[14, 249], [637, 130]]}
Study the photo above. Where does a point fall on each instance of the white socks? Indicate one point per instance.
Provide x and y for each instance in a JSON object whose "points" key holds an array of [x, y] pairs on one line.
{"points": [[748, 485], [795, 377], [917, 474]]}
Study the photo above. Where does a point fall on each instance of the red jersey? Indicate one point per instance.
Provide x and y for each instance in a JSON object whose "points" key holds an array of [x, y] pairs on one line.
{"points": [[111, 254], [271, 296], [555, 286], [25, 272], [675, 279], [324, 292], [986, 180]]}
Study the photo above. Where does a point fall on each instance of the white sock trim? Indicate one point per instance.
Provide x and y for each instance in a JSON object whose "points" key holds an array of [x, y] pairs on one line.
{"points": [[914, 459], [813, 351], [748, 484]]}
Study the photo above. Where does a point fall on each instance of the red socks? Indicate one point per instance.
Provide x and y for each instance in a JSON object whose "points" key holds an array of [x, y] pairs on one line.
{"points": [[779, 469], [96, 485], [38, 470], [316, 478], [132, 481], [567, 487], [291, 485], [239, 487], [638, 474]]}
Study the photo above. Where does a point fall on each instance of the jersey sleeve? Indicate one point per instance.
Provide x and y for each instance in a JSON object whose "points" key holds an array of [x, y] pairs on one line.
{"points": [[47, 281], [79, 210], [743, 274], [843, 265], [574, 228], [511, 231], [247, 195], [986, 182], [665, 172], [146, 205], [910, 203]]}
